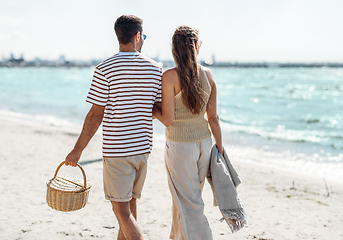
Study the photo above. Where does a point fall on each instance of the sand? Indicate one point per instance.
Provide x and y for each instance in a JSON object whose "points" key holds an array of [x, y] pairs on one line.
{"points": [[281, 204]]}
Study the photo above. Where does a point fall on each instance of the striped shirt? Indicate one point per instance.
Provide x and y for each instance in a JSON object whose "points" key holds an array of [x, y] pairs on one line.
{"points": [[127, 85]]}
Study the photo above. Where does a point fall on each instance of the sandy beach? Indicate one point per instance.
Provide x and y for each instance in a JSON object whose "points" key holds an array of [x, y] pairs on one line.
{"points": [[280, 204]]}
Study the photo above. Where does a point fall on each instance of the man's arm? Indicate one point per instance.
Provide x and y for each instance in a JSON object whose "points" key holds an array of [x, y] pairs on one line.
{"points": [[90, 126]]}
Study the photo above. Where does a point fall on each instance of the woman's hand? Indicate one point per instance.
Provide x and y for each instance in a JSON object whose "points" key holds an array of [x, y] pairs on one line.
{"points": [[220, 150]]}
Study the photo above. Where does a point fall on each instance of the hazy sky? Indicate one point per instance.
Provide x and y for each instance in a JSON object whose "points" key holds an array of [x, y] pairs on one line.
{"points": [[244, 30]]}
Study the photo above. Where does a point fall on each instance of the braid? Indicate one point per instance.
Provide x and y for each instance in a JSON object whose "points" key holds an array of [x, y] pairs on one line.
{"points": [[184, 53]]}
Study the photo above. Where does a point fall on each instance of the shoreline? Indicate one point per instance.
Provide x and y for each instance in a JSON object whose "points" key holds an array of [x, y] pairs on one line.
{"points": [[290, 156], [293, 156], [280, 203]]}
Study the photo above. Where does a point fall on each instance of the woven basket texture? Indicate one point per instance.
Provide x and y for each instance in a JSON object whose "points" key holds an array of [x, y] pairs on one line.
{"points": [[67, 193]]}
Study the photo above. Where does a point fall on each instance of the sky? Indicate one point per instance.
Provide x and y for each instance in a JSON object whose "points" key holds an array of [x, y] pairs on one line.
{"points": [[230, 30]]}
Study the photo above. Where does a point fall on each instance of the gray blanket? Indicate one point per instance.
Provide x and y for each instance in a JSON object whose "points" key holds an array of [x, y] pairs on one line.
{"points": [[224, 179]]}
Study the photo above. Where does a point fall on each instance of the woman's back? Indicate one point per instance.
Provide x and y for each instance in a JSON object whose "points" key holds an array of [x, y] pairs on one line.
{"points": [[186, 126], [188, 91]]}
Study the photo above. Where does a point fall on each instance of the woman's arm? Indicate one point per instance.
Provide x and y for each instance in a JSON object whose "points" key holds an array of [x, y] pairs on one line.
{"points": [[211, 111], [166, 114]]}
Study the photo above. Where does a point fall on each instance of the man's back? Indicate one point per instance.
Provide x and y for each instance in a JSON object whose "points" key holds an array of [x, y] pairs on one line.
{"points": [[127, 84]]}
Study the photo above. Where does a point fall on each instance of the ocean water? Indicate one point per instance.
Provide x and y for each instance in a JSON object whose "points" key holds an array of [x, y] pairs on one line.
{"points": [[47, 92], [290, 104], [294, 113]]}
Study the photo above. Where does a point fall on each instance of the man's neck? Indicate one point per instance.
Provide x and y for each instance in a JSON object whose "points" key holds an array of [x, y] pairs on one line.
{"points": [[127, 48]]}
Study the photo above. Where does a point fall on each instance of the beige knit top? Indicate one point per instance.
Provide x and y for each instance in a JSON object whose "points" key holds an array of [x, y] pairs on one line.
{"points": [[189, 127]]}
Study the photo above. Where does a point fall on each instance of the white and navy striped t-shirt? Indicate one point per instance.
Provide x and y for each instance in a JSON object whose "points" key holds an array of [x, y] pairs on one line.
{"points": [[127, 84]]}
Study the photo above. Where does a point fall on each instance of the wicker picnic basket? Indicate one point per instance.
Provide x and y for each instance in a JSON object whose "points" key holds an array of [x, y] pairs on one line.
{"points": [[67, 193]]}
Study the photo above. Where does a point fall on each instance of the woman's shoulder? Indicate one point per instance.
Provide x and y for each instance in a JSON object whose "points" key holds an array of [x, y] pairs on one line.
{"points": [[170, 72], [207, 71], [170, 75], [209, 75]]}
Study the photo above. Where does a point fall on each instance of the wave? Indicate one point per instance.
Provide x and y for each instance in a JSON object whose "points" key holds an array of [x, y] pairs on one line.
{"points": [[309, 121], [328, 122], [39, 118], [329, 139]]}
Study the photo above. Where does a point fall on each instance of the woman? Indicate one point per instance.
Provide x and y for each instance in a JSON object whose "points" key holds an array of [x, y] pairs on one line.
{"points": [[188, 92]]}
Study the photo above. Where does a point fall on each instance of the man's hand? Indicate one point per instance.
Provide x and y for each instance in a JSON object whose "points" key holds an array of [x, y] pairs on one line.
{"points": [[73, 158]]}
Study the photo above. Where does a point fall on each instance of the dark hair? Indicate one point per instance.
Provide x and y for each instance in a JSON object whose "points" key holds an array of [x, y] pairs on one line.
{"points": [[185, 53], [126, 27]]}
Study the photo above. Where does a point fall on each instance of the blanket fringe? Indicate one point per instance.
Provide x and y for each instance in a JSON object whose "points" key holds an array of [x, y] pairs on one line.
{"points": [[235, 218]]}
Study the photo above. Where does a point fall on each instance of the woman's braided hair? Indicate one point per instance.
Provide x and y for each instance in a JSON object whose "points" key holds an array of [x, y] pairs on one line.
{"points": [[185, 53]]}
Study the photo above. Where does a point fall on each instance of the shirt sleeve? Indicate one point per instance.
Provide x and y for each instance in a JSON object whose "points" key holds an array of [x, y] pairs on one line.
{"points": [[159, 91], [99, 89]]}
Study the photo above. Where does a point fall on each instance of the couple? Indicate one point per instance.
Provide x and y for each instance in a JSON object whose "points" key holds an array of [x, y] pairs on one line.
{"points": [[127, 91]]}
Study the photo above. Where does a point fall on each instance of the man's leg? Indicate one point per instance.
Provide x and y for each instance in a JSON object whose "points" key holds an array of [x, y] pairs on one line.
{"points": [[126, 213], [122, 177], [133, 209]]}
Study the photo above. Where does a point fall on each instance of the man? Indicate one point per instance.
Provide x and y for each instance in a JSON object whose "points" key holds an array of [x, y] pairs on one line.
{"points": [[123, 91]]}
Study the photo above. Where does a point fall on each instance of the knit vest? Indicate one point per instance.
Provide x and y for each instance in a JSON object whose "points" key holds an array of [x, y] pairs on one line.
{"points": [[189, 127]]}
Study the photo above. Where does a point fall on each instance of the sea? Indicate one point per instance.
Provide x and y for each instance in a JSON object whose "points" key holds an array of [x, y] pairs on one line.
{"points": [[286, 117]]}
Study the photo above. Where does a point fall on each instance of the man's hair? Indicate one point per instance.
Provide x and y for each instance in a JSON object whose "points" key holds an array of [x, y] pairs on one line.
{"points": [[126, 27]]}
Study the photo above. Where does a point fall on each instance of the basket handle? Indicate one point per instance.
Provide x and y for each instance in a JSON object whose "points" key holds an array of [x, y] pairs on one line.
{"points": [[83, 173]]}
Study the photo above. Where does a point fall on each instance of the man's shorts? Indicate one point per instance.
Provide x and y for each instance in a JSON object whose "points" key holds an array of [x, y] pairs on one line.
{"points": [[124, 177]]}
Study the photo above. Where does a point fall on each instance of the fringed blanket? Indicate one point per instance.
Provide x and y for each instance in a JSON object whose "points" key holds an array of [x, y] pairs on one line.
{"points": [[224, 180]]}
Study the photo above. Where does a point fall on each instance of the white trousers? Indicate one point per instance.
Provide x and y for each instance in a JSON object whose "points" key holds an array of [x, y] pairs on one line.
{"points": [[187, 166]]}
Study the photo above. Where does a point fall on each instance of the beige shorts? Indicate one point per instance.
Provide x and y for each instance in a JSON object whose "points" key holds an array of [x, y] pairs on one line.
{"points": [[124, 177]]}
